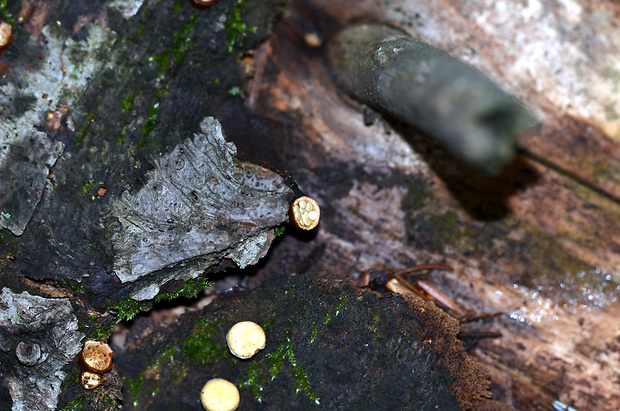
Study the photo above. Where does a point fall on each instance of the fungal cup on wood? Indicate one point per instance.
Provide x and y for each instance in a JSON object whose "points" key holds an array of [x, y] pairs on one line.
{"points": [[6, 36], [305, 213], [245, 339], [96, 356], [219, 394]]}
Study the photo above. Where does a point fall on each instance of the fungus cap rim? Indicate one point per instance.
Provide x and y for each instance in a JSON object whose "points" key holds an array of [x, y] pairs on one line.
{"points": [[219, 394], [305, 213], [96, 365], [245, 339]]}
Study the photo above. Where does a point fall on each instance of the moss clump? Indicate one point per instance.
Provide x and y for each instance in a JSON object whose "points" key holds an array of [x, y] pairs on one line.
{"points": [[283, 354], [135, 386], [343, 300], [127, 104], [176, 53], [4, 12], [78, 403], [149, 125], [202, 346], [235, 28], [128, 308], [191, 289], [255, 380], [279, 231]]}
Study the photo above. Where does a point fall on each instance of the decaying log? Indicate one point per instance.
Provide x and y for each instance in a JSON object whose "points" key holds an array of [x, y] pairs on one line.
{"points": [[98, 101], [329, 345], [538, 243], [97, 112]]}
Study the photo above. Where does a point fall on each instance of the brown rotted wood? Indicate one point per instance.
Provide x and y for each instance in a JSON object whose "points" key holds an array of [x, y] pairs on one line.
{"points": [[539, 243]]}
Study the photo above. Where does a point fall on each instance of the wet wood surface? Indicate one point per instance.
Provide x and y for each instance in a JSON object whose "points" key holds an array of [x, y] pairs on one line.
{"points": [[539, 244]]}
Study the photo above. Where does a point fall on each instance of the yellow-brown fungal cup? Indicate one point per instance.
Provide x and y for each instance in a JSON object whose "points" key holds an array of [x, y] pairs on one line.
{"points": [[96, 356], [203, 4], [305, 212], [219, 395], [6, 36], [245, 339], [90, 380]]}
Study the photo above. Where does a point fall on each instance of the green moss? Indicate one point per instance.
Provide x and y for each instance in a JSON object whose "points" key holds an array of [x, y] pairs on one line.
{"points": [[279, 230], [100, 333], [202, 346], [326, 318], [135, 386], [79, 139], [376, 320], [127, 104], [235, 28], [283, 354], [269, 322], [87, 186], [313, 335], [128, 308], [343, 300], [190, 289], [78, 403], [75, 286], [254, 380], [4, 12], [176, 53], [178, 7], [149, 124]]}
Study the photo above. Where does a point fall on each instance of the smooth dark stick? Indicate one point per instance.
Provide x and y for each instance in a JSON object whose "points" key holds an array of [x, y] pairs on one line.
{"points": [[423, 86]]}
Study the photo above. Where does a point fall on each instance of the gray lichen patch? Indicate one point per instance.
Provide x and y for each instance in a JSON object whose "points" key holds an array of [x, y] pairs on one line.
{"points": [[24, 167], [199, 206], [40, 335], [35, 86]]}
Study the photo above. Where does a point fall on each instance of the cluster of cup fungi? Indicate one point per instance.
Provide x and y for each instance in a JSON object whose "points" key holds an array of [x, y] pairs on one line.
{"points": [[305, 213], [95, 359], [244, 339]]}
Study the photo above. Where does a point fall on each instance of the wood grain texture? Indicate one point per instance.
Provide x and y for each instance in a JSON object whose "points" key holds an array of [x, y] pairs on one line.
{"points": [[538, 243]]}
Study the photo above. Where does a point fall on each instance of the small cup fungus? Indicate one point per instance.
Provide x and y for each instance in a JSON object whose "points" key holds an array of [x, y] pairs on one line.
{"points": [[203, 4], [305, 212], [6, 36], [245, 339], [219, 395], [90, 380], [96, 356]]}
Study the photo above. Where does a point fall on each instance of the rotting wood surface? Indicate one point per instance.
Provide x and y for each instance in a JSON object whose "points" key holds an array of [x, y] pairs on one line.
{"points": [[536, 243]]}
